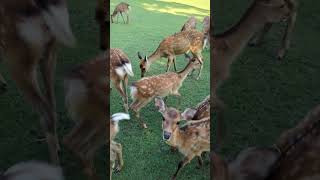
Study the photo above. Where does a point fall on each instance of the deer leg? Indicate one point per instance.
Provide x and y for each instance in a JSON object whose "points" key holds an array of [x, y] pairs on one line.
{"points": [[118, 150], [258, 37], [127, 18], [170, 59], [124, 22], [119, 87], [126, 92], [200, 70], [181, 164], [174, 64], [117, 18], [3, 84], [200, 162], [136, 106]]}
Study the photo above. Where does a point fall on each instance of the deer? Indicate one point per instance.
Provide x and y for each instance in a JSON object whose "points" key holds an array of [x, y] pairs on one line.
{"points": [[192, 140], [102, 10], [206, 30], [120, 69], [294, 156], [119, 9], [229, 45], [86, 100], [190, 24], [177, 44], [162, 85], [116, 148], [30, 32], [34, 170], [257, 39]]}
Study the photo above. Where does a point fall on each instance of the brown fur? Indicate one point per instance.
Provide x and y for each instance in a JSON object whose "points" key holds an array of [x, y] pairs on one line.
{"points": [[191, 141], [86, 100], [121, 8], [177, 44], [190, 24], [102, 12]]}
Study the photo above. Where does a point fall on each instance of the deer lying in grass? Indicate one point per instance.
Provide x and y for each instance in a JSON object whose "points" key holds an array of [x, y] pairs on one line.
{"points": [[202, 110], [206, 31], [192, 140], [119, 9], [116, 148], [102, 11], [190, 24], [229, 44], [146, 89], [285, 44], [295, 156], [86, 100], [120, 68], [177, 44], [29, 35], [32, 170]]}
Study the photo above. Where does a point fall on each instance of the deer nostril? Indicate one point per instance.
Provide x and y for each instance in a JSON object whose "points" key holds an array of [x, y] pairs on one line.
{"points": [[166, 135]]}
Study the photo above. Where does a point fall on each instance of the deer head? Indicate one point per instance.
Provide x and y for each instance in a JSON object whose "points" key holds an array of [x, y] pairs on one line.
{"points": [[273, 10], [144, 64]]}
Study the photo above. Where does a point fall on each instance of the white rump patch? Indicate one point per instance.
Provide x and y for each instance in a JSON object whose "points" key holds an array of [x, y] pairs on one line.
{"points": [[120, 116], [120, 71], [31, 31]]}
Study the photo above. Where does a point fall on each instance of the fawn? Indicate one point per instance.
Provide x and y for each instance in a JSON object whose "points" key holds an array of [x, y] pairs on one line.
{"points": [[202, 110], [206, 31], [116, 148], [285, 44], [86, 98], [190, 24], [32, 170], [121, 8], [294, 156], [102, 9], [229, 44], [192, 140], [30, 32], [145, 89], [179, 43]]}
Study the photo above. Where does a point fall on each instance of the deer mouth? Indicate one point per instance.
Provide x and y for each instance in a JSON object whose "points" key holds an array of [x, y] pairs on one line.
{"points": [[166, 135]]}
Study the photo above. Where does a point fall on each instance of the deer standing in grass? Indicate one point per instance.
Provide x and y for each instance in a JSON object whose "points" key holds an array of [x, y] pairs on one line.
{"points": [[192, 140], [119, 9], [30, 32], [102, 11], [146, 89], [116, 160], [294, 156], [229, 44], [87, 99], [206, 31], [190, 24], [285, 44], [120, 69], [177, 44]]}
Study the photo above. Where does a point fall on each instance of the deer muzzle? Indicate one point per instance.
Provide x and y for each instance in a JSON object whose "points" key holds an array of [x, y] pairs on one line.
{"points": [[166, 135]]}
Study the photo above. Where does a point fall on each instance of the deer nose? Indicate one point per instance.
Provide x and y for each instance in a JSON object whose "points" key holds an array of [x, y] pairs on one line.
{"points": [[166, 135]]}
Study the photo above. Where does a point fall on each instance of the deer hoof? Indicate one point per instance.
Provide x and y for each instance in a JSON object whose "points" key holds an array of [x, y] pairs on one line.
{"points": [[144, 126], [117, 169]]}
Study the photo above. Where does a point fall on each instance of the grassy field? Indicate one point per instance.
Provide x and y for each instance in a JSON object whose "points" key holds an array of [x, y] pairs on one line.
{"points": [[20, 126], [146, 156], [266, 96]]}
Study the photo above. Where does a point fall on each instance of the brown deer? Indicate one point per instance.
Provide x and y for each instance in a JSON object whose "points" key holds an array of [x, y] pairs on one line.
{"points": [[177, 44], [201, 111], [102, 12], [285, 44], [119, 9], [229, 44], [206, 31], [190, 24], [116, 148], [86, 98], [120, 69], [145, 89], [192, 140], [29, 35], [294, 156], [32, 170]]}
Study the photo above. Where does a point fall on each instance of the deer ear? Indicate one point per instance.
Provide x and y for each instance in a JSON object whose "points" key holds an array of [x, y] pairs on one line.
{"points": [[159, 103], [219, 167], [146, 59], [188, 114], [139, 55]]}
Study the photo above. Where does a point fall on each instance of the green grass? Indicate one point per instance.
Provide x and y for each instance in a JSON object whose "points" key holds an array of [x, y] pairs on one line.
{"points": [[265, 96], [146, 156]]}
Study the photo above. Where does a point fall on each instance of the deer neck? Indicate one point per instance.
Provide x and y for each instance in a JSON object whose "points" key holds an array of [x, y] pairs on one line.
{"points": [[184, 73], [154, 57]]}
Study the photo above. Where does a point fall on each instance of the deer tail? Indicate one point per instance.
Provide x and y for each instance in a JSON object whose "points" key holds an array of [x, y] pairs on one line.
{"points": [[120, 116]]}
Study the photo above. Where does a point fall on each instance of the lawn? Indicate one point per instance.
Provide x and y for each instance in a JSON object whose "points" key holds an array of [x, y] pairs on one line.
{"points": [[146, 156], [266, 96], [20, 127]]}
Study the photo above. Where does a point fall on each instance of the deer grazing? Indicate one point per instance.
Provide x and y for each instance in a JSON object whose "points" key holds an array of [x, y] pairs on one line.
{"points": [[86, 99], [30, 32], [192, 140], [32, 170], [229, 44], [146, 89], [206, 31], [177, 44], [285, 44], [116, 160], [120, 69], [102, 10], [294, 156], [119, 9], [190, 24]]}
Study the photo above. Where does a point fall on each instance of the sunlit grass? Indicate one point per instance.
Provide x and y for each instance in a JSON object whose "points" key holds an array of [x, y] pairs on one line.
{"points": [[203, 4]]}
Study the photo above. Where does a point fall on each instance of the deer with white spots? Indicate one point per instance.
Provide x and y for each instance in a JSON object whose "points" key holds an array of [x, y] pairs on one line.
{"points": [[30, 32], [192, 139], [87, 99], [146, 89], [116, 160], [190, 24], [120, 69], [119, 9]]}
